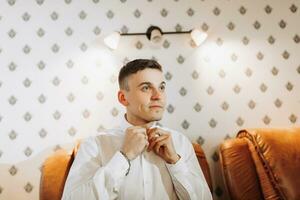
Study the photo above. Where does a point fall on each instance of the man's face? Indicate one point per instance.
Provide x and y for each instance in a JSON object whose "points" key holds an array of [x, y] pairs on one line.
{"points": [[146, 96]]}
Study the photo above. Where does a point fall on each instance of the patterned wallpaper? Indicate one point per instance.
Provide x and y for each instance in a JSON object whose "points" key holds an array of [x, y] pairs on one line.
{"points": [[58, 81]]}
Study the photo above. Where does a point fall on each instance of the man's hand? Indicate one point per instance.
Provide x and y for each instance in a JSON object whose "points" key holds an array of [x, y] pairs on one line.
{"points": [[135, 141], [160, 141]]}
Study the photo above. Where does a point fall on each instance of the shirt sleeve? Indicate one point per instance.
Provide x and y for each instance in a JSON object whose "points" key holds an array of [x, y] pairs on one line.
{"points": [[89, 179], [187, 176]]}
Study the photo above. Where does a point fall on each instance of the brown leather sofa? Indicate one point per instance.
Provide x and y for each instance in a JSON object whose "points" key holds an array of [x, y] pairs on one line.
{"points": [[262, 164], [56, 168]]}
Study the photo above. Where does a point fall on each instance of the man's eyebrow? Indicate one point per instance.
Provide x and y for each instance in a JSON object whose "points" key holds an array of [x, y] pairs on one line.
{"points": [[149, 83]]}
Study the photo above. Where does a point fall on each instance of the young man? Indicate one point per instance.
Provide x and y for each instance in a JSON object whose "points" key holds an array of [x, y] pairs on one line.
{"points": [[139, 160]]}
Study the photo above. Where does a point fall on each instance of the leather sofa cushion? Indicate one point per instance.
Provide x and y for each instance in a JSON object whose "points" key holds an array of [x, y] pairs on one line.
{"points": [[279, 153]]}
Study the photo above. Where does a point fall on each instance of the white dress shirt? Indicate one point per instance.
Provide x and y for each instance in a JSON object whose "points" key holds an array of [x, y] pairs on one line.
{"points": [[98, 171]]}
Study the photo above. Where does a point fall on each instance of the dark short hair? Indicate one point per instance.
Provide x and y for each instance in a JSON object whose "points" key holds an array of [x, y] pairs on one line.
{"points": [[133, 67]]}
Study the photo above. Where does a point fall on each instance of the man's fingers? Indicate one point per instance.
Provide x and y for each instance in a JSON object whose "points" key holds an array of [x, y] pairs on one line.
{"points": [[156, 140]]}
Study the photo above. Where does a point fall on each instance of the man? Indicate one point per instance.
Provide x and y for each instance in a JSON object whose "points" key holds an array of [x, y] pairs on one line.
{"points": [[139, 160]]}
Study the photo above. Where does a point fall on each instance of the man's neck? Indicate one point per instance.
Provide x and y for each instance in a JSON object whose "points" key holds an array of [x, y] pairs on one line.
{"points": [[134, 121]]}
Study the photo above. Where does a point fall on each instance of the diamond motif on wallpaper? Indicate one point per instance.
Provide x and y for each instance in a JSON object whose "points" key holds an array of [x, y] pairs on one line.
{"points": [[200, 140], [268, 9], [215, 156], [12, 66], [248, 72], [71, 97], [282, 24], [56, 115], [27, 83], [166, 44], [210, 90], [225, 106], [139, 45], [83, 47], [242, 10], [12, 100], [13, 170], [219, 41], [27, 117], [43, 133], [11, 2], [293, 8], [54, 16], [137, 13], [256, 25], [12, 33], [240, 121], [180, 59], [293, 118], [84, 80], [222, 73], [163, 12], [251, 104], [99, 96], [237, 89], [170, 108], [274, 71], [216, 11], [39, 2], [82, 15], [234, 57], [289, 86], [197, 107], [86, 113], [212, 123], [178, 28], [245, 40], [296, 38], [70, 64], [230, 26], [182, 91], [28, 151], [278, 103], [26, 16], [56, 81], [114, 112], [263, 87], [12, 135], [40, 32], [28, 187], [42, 98], [260, 56], [190, 12], [72, 131], [204, 27], [285, 54], [109, 14], [68, 31], [271, 39], [267, 120], [97, 30], [195, 75], [26, 49], [185, 124], [101, 128]]}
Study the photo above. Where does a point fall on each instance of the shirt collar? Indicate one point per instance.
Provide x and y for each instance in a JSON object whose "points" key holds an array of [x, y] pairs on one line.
{"points": [[124, 124]]}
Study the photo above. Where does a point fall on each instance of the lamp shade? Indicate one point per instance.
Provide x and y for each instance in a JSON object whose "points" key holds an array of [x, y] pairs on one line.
{"points": [[112, 40], [198, 36]]}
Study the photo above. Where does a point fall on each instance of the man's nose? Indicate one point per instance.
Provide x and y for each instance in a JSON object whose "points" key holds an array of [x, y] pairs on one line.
{"points": [[156, 94]]}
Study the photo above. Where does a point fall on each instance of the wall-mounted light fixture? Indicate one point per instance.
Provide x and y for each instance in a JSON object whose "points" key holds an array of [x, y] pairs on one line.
{"points": [[154, 34]]}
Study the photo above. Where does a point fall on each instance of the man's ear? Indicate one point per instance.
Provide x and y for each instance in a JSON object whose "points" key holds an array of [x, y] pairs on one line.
{"points": [[122, 98]]}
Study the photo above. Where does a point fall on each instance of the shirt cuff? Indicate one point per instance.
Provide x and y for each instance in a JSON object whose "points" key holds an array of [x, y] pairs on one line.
{"points": [[178, 167], [117, 166]]}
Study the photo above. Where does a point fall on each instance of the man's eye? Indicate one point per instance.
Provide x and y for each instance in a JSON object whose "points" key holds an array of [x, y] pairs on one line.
{"points": [[145, 88]]}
